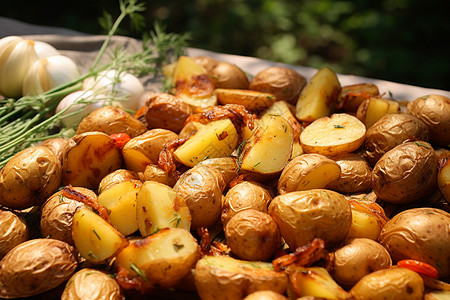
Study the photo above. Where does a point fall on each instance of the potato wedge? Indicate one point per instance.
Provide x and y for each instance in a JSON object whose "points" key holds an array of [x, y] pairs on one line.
{"points": [[223, 277], [318, 97], [333, 135], [215, 139], [308, 171], [351, 96], [88, 158], [253, 101], [193, 84], [160, 260], [372, 109], [444, 178], [284, 109], [158, 207], [269, 148], [368, 219], [95, 239], [120, 202]]}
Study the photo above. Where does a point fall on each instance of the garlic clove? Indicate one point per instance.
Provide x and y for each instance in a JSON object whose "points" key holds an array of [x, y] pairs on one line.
{"points": [[118, 84], [44, 49], [47, 73]]}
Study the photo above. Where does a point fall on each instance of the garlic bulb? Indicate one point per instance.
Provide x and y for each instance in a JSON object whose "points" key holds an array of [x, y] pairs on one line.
{"points": [[47, 73], [79, 104], [16, 57], [118, 84]]}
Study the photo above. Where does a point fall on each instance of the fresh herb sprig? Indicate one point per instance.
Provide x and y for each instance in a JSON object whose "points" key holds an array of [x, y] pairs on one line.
{"points": [[30, 119]]}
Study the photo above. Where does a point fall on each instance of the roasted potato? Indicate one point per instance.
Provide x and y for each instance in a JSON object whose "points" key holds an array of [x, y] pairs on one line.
{"points": [[351, 96], [356, 174], [444, 178], [162, 259], [434, 111], [29, 178], [357, 258], [405, 173], [36, 266], [422, 234], [116, 177], [253, 235], [57, 145], [390, 284], [201, 188], [91, 284], [13, 230], [57, 212], [109, 120], [265, 295], [305, 215], [224, 75], [392, 130], [88, 158], [245, 195], [223, 277], [253, 101], [308, 171], [227, 166], [372, 109], [155, 173], [368, 219], [284, 83], [167, 112], [333, 135]]}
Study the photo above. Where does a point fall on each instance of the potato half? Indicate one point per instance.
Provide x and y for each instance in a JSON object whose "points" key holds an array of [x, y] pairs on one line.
{"points": [[374, 108], [333, 135], [253, 101]]}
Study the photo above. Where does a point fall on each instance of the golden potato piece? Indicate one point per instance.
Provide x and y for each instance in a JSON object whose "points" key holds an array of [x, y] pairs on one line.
{"points": [[444, 178], [333, 135], [223, 277], [13, 230], [57, 145], [160, 260], [88, 158], [116, 177], [319, 96], [227, 166], [224, 75], [155, 173], [368, 219], [351, 96], [372, 109], [253, 101], [265, 295], [308, 171]]}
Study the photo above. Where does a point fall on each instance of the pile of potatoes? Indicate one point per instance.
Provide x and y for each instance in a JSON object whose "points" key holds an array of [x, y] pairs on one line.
{"points": [[234, 186]]}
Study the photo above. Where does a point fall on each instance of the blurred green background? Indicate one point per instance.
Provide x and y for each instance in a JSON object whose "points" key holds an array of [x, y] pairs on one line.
{"points": [[405, 41]]}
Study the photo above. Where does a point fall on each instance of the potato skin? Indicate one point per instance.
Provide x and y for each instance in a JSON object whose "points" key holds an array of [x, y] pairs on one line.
{"points": [[305, 215], [394, 283], [224, 75], [392, 130], [36, 266], [13, 231], [359, 257], [253, 235], [434, 111], [57, 145], [405, 173], [422, 234], [115, 177], [29, 178], [284, 83], [265, 295]]}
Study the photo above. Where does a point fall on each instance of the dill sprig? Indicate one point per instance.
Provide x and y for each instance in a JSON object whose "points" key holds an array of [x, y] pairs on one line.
{"points": [[30, 119]]}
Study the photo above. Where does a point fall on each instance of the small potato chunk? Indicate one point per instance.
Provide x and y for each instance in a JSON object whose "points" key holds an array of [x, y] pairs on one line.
{"points": [[372, 109], [116, 177], [405, 173], [284, 109], [160, 260], [392, 130], [351, 96], [88, 158], [253, 235], [109, 120], [358, 258], [144, 149], [167, 112], [215, 139], [227, 166], [57, 145], [356, 174], [422, 234], [95, 238], [269, 148], [319, 96], [245, 195], [368, 219], [13, 231], [333, 135], [223, 277], [91, 284], [390, 284], [201, 187], [306, 172], [36, 266], [57, 213], [265, 295], [155, 173], [284, 83], [224, 74], [158, 207], [120, 202], [305, 215], [253, 101], [444, 178], [434, 111], [29, 178]]}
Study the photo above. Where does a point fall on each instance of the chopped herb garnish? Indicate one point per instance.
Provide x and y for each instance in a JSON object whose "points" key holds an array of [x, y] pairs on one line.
{"points": [[339, 126], [176, 220], [61, 198], [96, 234], [90, 254], [138, 271], [425, 97], [257, 164], [422, 145], [177, 247]]}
